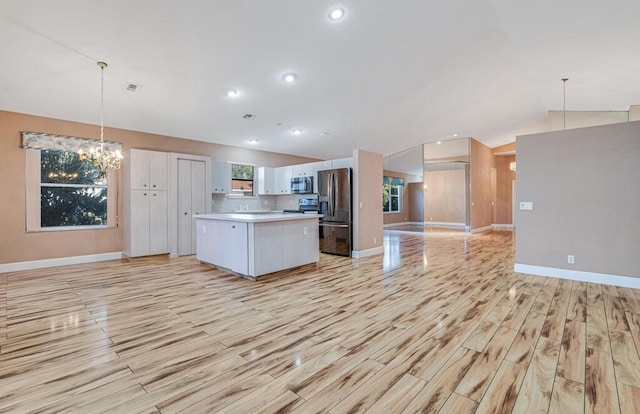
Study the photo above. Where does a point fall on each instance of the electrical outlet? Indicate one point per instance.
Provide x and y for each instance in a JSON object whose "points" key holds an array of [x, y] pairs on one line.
{"points": [[306, 230], [571, 259], [266, 202], [375, 240]]}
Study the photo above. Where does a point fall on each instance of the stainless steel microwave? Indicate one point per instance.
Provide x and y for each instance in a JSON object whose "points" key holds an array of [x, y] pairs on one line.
{"points": [[302, 185]]}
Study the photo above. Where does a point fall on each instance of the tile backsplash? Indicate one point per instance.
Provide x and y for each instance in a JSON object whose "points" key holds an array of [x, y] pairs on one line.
{"points": [[222, 203]]}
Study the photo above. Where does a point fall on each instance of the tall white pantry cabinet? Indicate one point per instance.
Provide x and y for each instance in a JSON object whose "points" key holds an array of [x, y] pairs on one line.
{"points": [[146, 204]]}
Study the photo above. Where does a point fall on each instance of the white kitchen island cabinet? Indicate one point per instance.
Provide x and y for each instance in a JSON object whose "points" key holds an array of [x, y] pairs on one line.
{"points": [[257, 244]]}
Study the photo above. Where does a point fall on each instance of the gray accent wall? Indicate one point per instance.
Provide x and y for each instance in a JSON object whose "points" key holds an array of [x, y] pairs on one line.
{"points": [[585, 188]]}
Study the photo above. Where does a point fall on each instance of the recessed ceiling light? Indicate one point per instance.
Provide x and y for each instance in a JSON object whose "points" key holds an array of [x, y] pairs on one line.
{"points": [[455, 135], [439, 142], [336, 14], [296, 131], [232, 93], [253, 141], [289, 77]]}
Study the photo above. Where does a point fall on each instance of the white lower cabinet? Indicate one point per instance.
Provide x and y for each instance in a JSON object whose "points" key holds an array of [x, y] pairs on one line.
{"points": [[224, 243], [148, 224]]}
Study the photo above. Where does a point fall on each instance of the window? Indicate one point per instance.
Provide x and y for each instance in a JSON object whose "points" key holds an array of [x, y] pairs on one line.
{"points": [[242, 180], [392, 195], [70, 193], [63, 192]]}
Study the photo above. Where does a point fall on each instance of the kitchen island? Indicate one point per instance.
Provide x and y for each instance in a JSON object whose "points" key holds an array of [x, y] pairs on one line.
{"points": [[256, 244]]}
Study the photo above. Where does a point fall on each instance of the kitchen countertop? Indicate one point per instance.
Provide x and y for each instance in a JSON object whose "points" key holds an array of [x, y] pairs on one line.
{"points": [[257, 217]]}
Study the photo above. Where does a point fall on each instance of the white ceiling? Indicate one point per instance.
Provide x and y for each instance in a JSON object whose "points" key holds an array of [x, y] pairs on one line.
{"points": [[390, 75]]}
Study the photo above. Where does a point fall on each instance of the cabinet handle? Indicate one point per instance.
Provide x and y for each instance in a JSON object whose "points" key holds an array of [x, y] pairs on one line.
{"points": [[233, 227], [144, 185], [154, 186], [154, 194], [185, 213], [145, 194]]}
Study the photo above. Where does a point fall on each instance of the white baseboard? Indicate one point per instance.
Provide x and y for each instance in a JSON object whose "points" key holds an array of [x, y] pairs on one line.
{"points": [[357, 254], [60, 261], [444, 224], [482, 229], [605, 279], [404, 223], [502, 226]]}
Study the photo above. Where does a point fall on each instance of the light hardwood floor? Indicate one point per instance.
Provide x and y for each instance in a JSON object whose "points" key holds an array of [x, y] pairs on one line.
{"points": [[441, 323]]}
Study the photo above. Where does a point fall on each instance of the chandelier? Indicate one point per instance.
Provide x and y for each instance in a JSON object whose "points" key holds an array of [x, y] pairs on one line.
{"points": [[102, 160]]}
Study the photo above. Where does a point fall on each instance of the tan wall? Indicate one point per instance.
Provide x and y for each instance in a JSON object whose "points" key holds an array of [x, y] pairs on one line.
{"points": [[482, 161], [634, 113], [504, 190], [506, 148], [444, 196], [16, 245], [402, 216], [584, 187], [367, 189]]}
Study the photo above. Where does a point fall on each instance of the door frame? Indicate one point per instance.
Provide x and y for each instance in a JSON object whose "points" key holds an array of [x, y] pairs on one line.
{"points": [[173, 194]]}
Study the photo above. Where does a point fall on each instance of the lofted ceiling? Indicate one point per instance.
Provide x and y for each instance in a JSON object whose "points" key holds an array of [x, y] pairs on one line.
{"points": [[388, 76]]}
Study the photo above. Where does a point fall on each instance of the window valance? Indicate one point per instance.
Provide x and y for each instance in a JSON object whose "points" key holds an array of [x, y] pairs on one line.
{"points": [[393, 180], [51, 142]]}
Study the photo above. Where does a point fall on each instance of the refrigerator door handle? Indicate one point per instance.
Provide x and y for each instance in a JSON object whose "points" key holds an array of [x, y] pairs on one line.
{"points": [[333, 195]]}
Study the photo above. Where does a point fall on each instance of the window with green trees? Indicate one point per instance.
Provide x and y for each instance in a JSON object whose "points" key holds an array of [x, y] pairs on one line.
{"points": [[71, 193], [392, 194], [242, 179]]}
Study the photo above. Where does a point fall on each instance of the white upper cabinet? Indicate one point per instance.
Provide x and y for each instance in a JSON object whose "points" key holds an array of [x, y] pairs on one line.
{"points": [[221, 177], [303, 170], [282, 180], [342, 163], [149, 170], [321, 166], [266, 181]]}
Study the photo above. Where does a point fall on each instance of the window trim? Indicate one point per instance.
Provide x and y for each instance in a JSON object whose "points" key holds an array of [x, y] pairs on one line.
{"points": [[33, 186]]}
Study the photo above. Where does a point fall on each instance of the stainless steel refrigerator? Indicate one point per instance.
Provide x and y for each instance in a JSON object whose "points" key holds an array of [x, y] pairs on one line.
{"points": [[334, 203]]}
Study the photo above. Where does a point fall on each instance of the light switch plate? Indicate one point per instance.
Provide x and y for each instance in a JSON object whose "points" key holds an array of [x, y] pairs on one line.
{"points": [[526, 205]]}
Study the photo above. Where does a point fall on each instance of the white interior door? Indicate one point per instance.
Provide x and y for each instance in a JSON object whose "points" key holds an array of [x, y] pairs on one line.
{"points": [[198, 192], [184, 208]]}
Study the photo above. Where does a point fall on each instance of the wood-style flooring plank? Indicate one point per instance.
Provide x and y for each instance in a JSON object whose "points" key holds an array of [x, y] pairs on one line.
{"points": [[503, 391], [567, 397], [537, 387], [625, 358], [571, 363], [600, 384]]}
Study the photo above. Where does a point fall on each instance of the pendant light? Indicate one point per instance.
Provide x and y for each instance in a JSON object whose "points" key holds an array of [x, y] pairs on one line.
{"points": [[102, 160]]}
